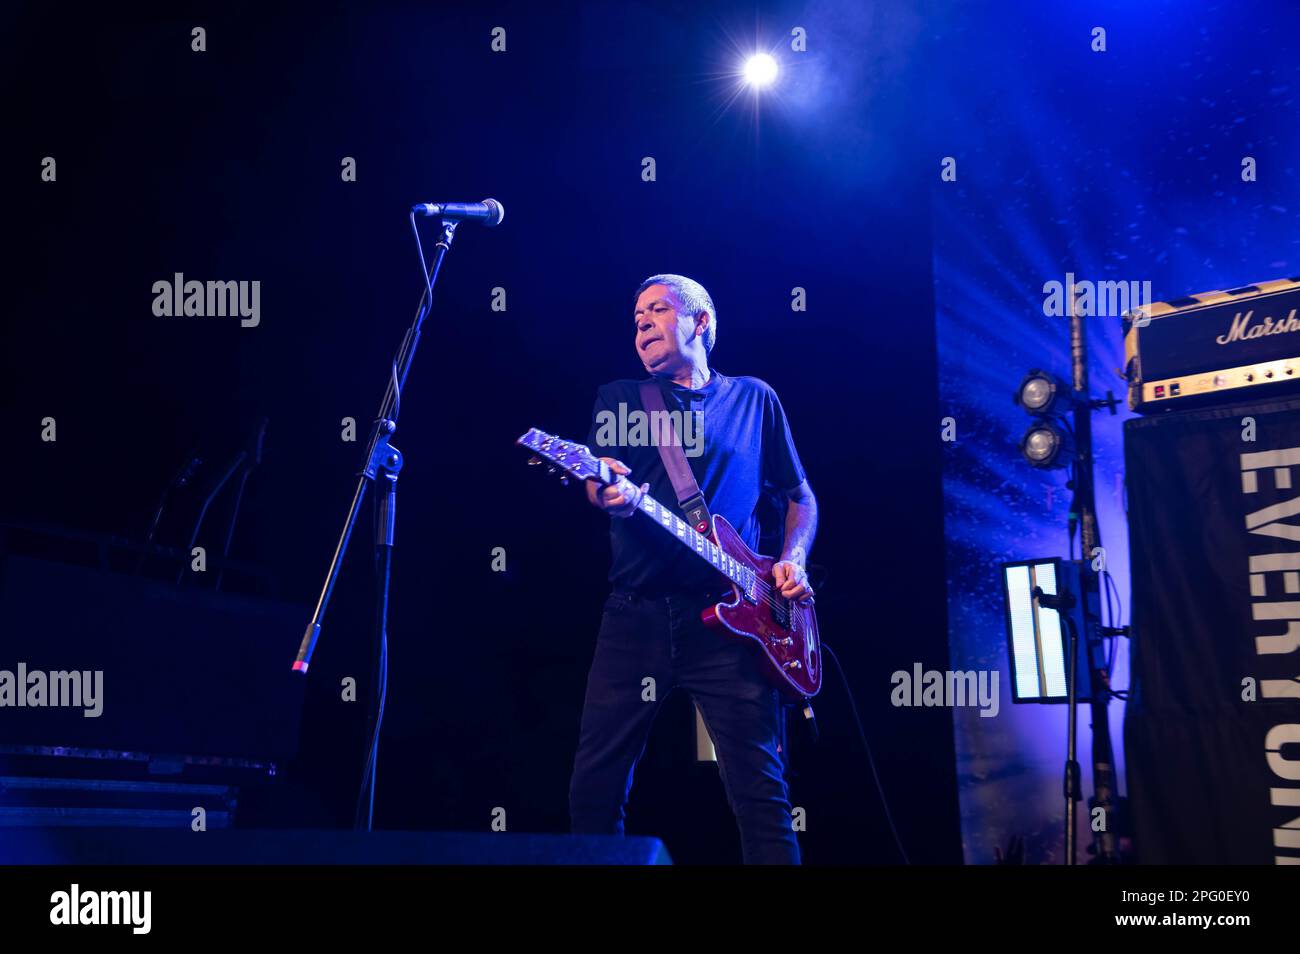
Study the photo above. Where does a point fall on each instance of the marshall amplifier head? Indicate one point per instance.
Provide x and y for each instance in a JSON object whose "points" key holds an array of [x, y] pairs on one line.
{"points": [[1212, 347]]}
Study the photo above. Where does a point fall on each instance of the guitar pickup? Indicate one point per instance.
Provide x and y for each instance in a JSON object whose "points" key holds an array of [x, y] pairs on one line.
{"points": [[781, 612]]}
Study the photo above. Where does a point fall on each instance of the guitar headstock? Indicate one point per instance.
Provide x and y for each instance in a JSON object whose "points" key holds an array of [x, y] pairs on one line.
{"points": [[574, 459]]}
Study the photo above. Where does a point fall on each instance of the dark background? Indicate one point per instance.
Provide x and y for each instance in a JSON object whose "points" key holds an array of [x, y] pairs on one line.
{"points": [[225, 165]]}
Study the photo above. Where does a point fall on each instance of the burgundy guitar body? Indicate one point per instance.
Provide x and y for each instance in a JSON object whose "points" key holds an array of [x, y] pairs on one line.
{"points": [[791, 652]]}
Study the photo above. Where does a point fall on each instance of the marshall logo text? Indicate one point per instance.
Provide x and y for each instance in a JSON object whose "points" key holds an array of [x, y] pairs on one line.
{"points": [[1243, 330]]}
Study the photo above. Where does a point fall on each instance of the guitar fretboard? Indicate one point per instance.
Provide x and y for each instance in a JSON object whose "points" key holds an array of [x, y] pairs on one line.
{"points": [[698, 543], [577, 461]]}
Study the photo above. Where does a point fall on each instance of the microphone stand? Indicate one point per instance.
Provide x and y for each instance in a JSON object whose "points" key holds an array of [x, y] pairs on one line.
{"points": [[249, 465], [382, 462], [1063, 603], [182, 478], [211, 495], [1073, 785]]}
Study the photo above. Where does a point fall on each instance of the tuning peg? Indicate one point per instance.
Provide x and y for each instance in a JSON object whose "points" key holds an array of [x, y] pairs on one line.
{"points": [[550, 470], [534, 461], [564, 481]]}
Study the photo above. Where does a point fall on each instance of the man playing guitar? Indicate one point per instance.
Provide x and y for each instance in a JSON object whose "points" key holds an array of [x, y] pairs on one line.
{"points": [[651, 626]]}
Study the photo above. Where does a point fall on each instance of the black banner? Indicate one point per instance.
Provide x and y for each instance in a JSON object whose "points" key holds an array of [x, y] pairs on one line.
{"points": [[1212, 728], [337, 904]]}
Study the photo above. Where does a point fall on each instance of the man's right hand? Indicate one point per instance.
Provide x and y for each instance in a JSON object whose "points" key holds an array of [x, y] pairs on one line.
{"points": [[620, 498]]}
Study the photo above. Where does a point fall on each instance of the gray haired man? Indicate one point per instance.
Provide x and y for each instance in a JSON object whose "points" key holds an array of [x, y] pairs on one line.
{"points": [[651, 627]]}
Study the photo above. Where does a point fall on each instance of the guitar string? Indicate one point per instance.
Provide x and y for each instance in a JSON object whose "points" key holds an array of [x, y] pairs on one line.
{"points": [[762, 589]]}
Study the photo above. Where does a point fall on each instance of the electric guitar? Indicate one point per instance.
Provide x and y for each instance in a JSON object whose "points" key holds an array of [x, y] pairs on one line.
{"points": [[784, 631]]}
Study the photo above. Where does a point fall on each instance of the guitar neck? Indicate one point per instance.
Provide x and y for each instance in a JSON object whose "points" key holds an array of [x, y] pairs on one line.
{"points": [[577, 461], [670, 522]]}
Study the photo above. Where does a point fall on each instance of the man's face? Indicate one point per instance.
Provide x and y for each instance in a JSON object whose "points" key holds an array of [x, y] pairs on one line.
{"points": [[662, 334]]}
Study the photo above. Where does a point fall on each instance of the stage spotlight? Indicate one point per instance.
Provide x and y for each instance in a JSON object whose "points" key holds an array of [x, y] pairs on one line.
{"points": [[1047, 444], [760, 70], [1037, 635], [1042, 393]]}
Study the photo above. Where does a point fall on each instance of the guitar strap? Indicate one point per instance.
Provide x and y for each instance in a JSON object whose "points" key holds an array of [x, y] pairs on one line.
{"points": [[689, 496]]}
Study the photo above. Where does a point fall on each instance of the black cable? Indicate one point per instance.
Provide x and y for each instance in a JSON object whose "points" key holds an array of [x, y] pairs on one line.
{"points": [[1117, 693], [400, 357], [424, 265], [1119, 604], [1115, 617], [383, 576], [384, 569], [1107, 620], [367, 796], [399, 360], [230, 528], [1071, 521], [182, 478], [862, 735], [218, 485]]}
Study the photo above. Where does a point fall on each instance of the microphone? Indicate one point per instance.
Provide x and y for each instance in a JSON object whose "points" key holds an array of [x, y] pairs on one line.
{"points": [[490, 212]]}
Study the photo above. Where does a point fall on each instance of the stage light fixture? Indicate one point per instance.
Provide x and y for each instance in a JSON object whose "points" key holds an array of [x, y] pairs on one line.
{"points": [[1037, 635], [1042, 393], [760, 70], [1047, 444]]}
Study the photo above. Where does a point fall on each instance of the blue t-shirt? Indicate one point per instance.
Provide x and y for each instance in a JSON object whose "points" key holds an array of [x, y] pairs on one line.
{"points": [[738, 445]]}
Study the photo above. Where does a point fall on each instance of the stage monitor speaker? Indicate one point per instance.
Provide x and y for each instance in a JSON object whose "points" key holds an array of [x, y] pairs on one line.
{"points": [[96, 661]]}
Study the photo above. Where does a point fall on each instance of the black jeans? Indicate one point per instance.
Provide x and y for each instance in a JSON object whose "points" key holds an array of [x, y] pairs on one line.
{"points": [[665, 640]]}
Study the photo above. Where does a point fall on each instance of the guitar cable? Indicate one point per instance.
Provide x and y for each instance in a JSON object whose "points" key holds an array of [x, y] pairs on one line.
{"points": [[365, 807], [871, 760]]}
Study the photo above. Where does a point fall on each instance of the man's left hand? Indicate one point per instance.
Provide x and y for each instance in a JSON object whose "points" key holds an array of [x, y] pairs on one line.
{"points": [[792, 581]]}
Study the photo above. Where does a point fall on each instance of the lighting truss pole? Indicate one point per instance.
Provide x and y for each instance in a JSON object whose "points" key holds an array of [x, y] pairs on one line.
{"points": [[1084, 510]]}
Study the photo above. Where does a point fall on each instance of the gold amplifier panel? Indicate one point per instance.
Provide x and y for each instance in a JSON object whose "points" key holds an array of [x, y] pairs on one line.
{"points": [[1247, 320], [1227, 379]]}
